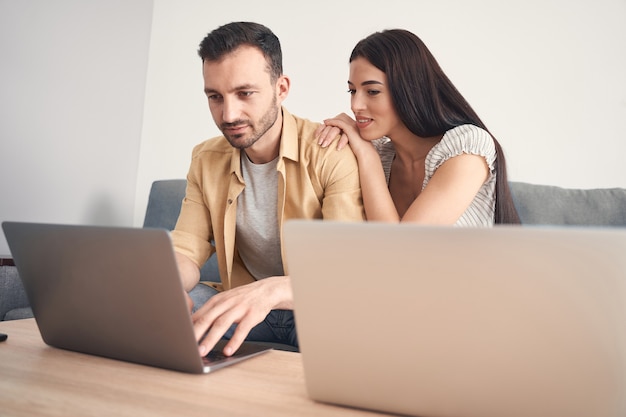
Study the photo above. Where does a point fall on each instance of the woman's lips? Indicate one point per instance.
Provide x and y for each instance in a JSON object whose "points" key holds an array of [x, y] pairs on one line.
{"points": [[363, 122]]}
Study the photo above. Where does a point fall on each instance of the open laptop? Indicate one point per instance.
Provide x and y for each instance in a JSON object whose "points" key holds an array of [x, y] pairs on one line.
{"points": [[442, 321], [112, 292]]}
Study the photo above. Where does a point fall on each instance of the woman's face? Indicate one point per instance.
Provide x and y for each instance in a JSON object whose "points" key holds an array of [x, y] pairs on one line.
{"points": [[371, 101]]}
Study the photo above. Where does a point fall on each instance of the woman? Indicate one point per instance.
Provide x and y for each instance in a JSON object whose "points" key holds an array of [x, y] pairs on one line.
{"points": [[440, 164]]}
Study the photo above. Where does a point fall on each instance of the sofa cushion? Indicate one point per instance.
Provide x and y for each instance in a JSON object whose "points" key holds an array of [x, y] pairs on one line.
{"points": [[550, 205]]}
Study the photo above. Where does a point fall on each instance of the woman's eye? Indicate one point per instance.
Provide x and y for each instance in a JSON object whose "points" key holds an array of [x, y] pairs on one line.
{"points": [[373, 92], [351, 90]]}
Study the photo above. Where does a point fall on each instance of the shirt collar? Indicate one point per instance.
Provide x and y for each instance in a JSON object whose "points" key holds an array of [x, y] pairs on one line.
{"points": [[289, 137]]}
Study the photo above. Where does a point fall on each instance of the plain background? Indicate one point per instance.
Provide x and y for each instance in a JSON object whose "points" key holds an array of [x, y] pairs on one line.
{"points": [[98, 98]]}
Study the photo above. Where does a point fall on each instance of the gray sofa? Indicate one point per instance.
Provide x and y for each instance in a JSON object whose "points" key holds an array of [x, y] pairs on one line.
{"points": [[536, 204]]}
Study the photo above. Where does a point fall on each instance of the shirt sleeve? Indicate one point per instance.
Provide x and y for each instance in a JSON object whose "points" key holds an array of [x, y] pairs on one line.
{"points": [[342, 189], [464, 139], [193, 233]]}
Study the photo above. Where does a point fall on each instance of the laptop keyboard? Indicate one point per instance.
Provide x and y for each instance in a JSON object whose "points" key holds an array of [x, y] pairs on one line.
{"points": [[213, 356]]}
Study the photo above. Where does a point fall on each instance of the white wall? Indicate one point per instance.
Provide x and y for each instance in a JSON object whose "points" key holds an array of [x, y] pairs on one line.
{"points": [[72, 86], [85, 127]]}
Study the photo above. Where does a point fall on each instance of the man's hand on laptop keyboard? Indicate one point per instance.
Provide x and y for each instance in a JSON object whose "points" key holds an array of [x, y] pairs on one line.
{"points": [[247, 306]]}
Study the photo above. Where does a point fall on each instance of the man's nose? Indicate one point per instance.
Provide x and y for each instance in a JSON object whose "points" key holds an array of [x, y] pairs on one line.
{"points": [[231, 110]]}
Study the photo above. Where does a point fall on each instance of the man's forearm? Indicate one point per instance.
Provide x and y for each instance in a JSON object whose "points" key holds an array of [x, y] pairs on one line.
{"points": [[188, 271]]}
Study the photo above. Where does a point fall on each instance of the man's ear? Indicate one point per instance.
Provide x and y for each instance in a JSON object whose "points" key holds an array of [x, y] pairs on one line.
{"points": [[282, 87]]}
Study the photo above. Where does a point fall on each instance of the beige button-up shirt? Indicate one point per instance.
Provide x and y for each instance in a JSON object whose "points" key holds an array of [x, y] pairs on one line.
{"points": [[313, 183]]}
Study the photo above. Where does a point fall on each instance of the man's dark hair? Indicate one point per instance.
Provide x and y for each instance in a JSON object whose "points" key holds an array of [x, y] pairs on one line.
{"points": [[231, 36]]}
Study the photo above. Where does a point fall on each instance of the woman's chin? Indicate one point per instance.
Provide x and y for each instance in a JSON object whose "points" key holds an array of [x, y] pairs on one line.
{"points": [[369, 136]]}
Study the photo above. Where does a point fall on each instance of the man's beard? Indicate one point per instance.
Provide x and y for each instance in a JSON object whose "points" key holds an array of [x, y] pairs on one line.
{"points": [[239, 141]]}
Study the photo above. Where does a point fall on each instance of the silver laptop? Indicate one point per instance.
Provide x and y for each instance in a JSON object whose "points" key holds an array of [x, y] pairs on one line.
{"points": [[460, 322], [112, 292]]}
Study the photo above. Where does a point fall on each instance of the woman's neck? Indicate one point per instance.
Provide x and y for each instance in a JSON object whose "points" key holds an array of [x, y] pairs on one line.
{"points": [[411, 148]]}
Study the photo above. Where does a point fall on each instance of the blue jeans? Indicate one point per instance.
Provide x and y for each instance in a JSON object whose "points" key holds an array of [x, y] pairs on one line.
{"points": [[278, 327]]}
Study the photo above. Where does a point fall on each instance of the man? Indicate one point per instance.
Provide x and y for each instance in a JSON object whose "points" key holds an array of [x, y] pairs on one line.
{"points": [[242, 186]]}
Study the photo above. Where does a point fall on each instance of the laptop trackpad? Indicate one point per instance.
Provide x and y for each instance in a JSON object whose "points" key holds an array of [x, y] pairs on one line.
{"points": [[215, 359]]}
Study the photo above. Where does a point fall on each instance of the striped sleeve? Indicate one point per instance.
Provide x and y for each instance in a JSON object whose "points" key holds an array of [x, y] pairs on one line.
{"points": [[464, 139]]}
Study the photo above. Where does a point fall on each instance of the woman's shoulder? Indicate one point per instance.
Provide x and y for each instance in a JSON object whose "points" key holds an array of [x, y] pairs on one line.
{"points": [[469, 138], [462, 139]]}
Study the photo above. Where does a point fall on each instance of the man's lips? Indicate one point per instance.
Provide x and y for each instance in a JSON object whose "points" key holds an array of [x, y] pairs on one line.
{"points": [[235, 129]]}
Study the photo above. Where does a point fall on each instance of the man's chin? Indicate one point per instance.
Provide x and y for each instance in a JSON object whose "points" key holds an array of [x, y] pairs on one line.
{"points": [[239, 141]]}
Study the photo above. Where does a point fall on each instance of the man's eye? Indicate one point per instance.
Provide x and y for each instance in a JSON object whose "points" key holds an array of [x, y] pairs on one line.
{"points": [[245, 93], [214, 97]]}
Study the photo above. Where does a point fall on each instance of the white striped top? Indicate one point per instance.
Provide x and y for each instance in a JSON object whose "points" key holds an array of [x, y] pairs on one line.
{"points": [[468, 139]]}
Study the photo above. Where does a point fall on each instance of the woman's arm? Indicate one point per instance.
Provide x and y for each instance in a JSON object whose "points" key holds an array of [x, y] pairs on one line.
{"points": [[376, 198], [449, 192]]}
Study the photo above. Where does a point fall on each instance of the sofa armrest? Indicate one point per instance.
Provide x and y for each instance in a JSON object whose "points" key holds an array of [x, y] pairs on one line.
{"points": [[13, 300]]}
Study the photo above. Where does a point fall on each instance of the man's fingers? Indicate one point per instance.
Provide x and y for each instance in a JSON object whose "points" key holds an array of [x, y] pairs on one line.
{"points": [[214, 328], [239, 336], [204, 327], [209, 341], [213, 333], [235, 342]]}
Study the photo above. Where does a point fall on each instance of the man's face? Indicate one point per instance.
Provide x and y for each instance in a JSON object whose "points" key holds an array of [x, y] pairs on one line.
{"points": [[243, 100]]}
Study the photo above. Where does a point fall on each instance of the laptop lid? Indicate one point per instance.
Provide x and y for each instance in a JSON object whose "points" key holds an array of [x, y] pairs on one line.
{"points": [[112, 292], [434, 321]]}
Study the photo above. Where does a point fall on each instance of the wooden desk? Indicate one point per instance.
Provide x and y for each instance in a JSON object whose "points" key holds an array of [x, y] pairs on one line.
{"points": [[38, 380]]}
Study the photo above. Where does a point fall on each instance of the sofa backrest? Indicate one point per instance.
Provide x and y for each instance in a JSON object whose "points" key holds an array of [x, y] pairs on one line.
{"points": [[550, 205], [536, 205], [164, 201]]}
